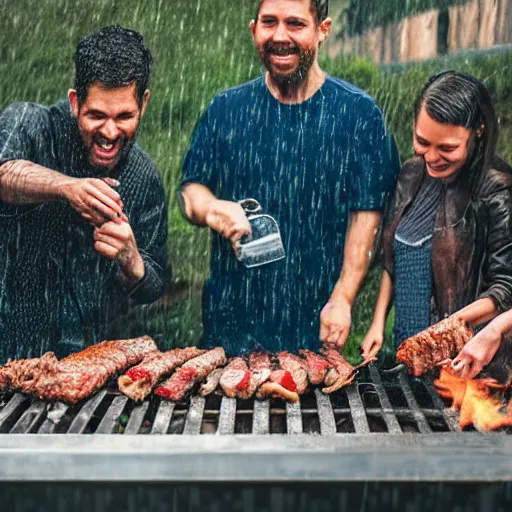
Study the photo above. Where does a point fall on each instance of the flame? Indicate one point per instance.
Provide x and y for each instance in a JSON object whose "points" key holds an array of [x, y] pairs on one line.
{"points": [[472, 397]]}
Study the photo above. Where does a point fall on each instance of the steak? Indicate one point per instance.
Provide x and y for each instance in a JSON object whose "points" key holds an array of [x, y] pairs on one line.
{"points": [[317, 366], [441, 341], [236, 377], [288, 381], [138, 381], [192, 372], [77, 376], [260, 368], [342, 373], [212, 381], [16, 372], [297, 368], [279, 385]]}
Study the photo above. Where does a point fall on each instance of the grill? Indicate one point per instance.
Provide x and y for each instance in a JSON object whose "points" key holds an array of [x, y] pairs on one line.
{"points": [[394, 406], [390, 430]]}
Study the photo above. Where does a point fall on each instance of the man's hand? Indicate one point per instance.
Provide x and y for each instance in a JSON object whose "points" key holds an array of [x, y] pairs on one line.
{"points": [[335, 319], [227, 218], [117, 242], [477, 352], [94, 199], [372, 342]]}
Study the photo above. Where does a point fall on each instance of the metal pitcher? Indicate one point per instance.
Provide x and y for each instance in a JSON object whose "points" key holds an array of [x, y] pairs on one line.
{"points": [[264, 244]]}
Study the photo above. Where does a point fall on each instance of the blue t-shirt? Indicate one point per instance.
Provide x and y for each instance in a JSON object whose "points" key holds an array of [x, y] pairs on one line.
{"points": [[309, 165]]}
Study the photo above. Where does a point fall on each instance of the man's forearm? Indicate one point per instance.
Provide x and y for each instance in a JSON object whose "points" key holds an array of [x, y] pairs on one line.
{"points": [[23, 182], [359, 247], [195, 200]]}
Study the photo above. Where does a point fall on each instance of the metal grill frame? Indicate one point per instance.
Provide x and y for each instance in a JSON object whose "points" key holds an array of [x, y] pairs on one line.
{"points": [[278, 458], [295, 456]]}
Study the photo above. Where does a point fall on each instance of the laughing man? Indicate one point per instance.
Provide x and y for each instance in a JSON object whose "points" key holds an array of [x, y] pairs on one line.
{"points": [[83, 222]]}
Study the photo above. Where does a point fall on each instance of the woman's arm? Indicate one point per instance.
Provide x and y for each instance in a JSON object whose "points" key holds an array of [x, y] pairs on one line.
{"points": [[478, 312], [374, 339], [480, 350]]}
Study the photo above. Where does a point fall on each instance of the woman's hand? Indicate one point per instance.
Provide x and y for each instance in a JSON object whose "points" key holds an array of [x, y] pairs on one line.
{"points": [[477, 353], [372, 342]]}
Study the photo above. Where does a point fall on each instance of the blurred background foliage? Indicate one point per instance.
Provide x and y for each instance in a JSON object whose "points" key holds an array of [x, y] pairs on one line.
{"points": [[201, 47]]}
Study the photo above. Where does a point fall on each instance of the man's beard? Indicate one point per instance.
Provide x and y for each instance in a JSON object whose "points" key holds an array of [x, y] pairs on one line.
{"points": [[299, 75]]}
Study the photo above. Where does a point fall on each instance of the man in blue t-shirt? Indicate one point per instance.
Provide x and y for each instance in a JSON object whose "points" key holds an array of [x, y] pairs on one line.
{"points": [[314, 152]]}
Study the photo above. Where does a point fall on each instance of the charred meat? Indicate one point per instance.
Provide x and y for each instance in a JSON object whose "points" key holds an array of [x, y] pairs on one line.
{"points": [[343, 373], [317, 366], [441, 341], [192, 372], [211, 383], [77, 376], [236, 377], [260, 367], [138, 381], [288, 381]]}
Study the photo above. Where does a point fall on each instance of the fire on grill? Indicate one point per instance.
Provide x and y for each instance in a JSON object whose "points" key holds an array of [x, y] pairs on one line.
{"points": [[474, 400]]}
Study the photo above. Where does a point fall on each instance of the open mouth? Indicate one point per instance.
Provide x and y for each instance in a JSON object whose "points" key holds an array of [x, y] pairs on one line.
{"points": [[283, 59], [105, 149], [281, 54], [283, 51]]}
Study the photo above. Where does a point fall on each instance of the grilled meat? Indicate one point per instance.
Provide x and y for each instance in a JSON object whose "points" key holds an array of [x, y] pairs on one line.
{"points": [[77, 376], [297, 368], [138, 381], [288, 381], [260, 368], [14, 373], [192, 372], [236, 377], [439, 342], [343, 373], [212, 381], [317, 366], [279, 385]]}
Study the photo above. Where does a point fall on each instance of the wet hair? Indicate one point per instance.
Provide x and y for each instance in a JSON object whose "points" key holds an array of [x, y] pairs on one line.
{"points": [[459, 99], [319, 9], [115, 57]]}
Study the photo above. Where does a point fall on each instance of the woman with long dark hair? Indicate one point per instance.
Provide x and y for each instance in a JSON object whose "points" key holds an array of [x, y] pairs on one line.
{"points": [[448, 235]]}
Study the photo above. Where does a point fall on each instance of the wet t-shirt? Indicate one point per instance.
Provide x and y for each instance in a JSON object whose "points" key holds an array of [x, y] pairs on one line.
{"points": [[309, 165], [56, 292]]}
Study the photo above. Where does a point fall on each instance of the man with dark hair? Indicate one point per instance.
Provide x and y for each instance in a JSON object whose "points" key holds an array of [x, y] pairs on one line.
{"points": [[314, 152], [83, 217], [319, 9]]}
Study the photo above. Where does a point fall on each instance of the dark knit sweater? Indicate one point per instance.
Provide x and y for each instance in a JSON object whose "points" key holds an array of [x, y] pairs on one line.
{"points": [[56, 292]]}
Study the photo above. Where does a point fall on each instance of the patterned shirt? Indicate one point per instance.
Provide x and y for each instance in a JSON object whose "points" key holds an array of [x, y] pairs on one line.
{"points": [[56, 292]]}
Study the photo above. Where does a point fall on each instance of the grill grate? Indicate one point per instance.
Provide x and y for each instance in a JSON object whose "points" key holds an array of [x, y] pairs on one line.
{"points": [[374, 404]]}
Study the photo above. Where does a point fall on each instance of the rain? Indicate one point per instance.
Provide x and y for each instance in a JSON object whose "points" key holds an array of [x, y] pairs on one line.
{"points": [[387, 48], [203, 47]]}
